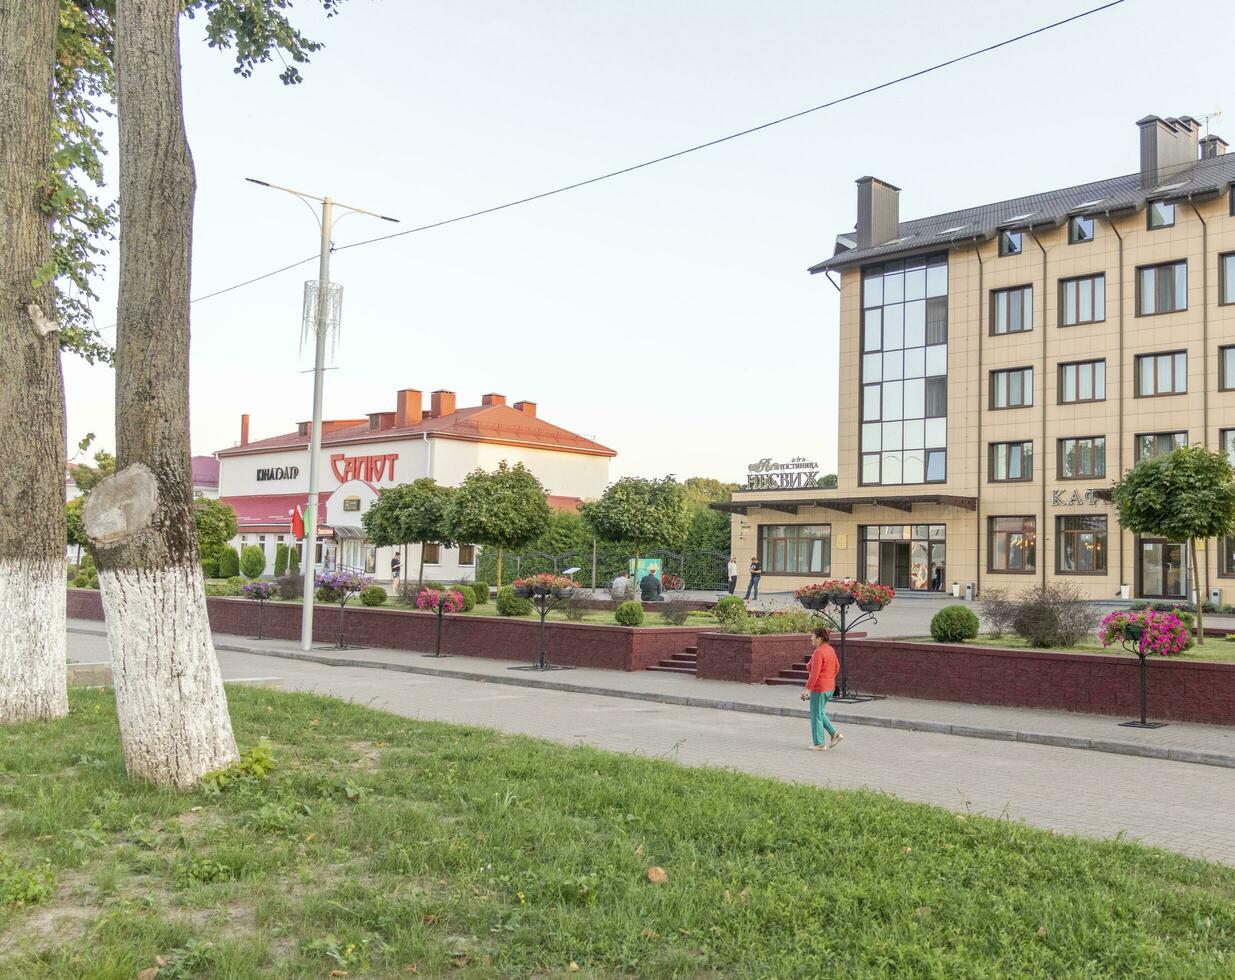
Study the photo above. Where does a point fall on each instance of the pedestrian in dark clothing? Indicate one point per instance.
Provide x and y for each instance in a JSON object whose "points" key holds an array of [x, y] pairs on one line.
{"points": [[756, 570], [649, 588]]}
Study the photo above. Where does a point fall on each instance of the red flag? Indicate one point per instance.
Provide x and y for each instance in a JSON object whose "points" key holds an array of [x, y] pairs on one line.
{"points": [[297, 523]]}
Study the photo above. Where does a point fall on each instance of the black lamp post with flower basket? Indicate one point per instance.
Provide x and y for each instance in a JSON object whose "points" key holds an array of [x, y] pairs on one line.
{"points": [[844, 596], [439, 602], [547, 592]]}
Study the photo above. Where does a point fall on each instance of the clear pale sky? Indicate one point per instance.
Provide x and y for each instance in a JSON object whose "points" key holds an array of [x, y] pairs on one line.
{"points": [[668, 313]]}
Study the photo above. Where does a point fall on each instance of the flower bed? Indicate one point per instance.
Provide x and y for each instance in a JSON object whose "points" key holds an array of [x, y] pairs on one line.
{"points": [[571, 644]]}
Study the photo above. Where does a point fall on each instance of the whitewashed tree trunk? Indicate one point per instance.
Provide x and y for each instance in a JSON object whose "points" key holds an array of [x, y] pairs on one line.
{"points": [[32, 528], [174, 724]]}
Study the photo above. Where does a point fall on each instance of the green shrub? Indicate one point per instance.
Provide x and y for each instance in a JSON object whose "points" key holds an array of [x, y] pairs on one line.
{"points": [[291, 586], [87, 562], [952, 624], [293, 562], [789, 621], [72, 572], [1054, 616], [233, 586], [469, 598], [81, 581], [629, 613], [372, 595], [253, 561], [481, 591], [675, 612], [229, 562], [729, 609], [280, 560], [210, 568], [509, 604]]}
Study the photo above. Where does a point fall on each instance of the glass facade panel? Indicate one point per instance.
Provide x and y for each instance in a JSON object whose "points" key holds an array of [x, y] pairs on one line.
{"points": [[904, 379], [796, 549], [905, 556]]}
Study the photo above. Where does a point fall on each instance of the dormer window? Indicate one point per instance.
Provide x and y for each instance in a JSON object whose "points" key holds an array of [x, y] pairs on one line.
{"points": [[1080, 229], [1161, 215], [1009, 243]]}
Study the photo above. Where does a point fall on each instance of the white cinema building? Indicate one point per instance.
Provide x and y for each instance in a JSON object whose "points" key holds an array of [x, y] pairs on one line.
{"points": [[265, 480]]}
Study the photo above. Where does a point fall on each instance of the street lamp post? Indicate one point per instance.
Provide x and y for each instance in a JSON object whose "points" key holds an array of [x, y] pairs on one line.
{"points": [[322, 321]]}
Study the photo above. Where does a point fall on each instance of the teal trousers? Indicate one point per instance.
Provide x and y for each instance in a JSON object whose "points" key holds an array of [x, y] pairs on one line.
{"points": [[819, 720]]}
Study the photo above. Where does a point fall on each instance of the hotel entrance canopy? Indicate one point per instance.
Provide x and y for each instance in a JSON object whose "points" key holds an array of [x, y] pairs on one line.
{"points": [[903, 502]]}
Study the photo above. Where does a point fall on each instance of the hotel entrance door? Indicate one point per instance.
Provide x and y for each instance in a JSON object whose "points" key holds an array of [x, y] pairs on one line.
{"points": [[1164, 569], [908, 557]]}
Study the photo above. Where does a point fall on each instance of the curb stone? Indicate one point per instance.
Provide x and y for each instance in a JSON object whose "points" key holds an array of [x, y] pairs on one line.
{"points": [[1186, 756]]}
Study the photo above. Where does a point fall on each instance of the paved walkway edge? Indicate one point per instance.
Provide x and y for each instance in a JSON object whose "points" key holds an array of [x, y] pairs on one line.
{"points": [[1114, 746]]}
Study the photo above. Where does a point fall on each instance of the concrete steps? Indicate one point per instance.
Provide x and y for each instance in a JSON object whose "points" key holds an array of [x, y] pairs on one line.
{"points": [[686, 662]]}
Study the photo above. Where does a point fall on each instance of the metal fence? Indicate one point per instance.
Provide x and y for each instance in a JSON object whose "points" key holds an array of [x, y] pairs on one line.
{"points": [[702, 569]]}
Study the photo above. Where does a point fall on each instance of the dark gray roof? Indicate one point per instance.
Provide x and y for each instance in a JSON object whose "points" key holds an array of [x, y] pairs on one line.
{"points": [[1200, 179]]}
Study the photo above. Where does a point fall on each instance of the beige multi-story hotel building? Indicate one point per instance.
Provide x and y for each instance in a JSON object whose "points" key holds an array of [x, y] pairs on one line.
{"points": [[1000, 367]]}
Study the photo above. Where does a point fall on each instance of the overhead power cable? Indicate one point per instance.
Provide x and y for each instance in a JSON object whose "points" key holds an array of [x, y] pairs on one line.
{"points": [[899, 80]]}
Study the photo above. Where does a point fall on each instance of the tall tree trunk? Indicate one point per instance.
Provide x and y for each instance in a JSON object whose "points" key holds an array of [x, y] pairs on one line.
{"points": [[420, 580], [174, 725], [499, 568], [32, 527], [1200, 599]]}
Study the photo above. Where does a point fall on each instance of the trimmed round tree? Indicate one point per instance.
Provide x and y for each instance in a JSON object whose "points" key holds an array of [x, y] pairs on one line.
{"points": [[411, 513], [216, 525], [503, 509], [1181, 496], [641, 510]]}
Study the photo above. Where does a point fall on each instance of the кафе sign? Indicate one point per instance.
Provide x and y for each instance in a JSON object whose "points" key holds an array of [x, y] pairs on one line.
{"points": [[792, 475]]}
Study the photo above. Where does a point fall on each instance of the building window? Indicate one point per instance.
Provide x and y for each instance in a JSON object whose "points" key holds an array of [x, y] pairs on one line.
{"points": [[1012, 389], [1151, 444], [467, 554], [1082, 458], [1226, 368], [1161, 214], [1162, 288], [1084, 381], [432, 553], [1080, 229], [904, 371], [1161, 374], [796, 549], [1080, 545], [1226, 277], [1226, 441], [1011, 462], [1226, 557], [1012, 310], [1009, 243], [1082, 300], [1012, 544]]}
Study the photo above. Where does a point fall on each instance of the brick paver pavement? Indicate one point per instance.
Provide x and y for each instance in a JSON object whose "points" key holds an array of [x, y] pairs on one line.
{"points": [[1182, 807]]}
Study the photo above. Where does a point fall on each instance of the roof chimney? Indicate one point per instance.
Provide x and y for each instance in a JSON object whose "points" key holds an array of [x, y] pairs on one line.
{"points": [[442, 403], [1167, 146], [381, 420], [527, 408], [244, 430], [304, 428], [1212, 146], [407, 407], [879, 212], [493, 399]]}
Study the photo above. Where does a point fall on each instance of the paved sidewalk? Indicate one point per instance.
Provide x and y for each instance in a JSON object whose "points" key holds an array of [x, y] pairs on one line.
{"points": [[1180, 807], [1203, 744]]}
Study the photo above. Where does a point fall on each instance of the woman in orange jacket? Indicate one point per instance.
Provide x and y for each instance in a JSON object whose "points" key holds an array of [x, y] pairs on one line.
{"points": [[820, 683]]}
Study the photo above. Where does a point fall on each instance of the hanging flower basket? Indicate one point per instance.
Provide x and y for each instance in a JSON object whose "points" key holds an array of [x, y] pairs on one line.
{"points": [[522, 591], [871, 597]]}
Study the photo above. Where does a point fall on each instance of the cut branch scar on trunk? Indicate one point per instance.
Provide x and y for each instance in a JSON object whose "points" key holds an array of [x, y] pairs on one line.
{"points": [[121, 506]]}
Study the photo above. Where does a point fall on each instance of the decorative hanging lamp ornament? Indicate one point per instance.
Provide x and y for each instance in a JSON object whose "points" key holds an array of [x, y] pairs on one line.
{"points": [[334, 310]]}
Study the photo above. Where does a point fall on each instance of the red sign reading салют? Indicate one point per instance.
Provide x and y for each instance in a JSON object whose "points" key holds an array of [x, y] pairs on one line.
{"points": [[363, 467]]}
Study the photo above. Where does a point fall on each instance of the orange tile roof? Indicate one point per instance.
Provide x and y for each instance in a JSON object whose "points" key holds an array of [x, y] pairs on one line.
{"points": [[483, 423]]}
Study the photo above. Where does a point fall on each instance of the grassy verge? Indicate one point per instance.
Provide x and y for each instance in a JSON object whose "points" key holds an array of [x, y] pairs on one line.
{"points": [[1213, 649], [381, 844]]}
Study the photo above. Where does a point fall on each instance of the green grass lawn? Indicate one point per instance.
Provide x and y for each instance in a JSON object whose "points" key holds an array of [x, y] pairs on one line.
{"points": [[379, 844], [1213, 649]]}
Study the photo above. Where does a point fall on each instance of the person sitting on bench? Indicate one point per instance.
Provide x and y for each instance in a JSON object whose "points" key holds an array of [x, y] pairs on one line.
{"points": [[649, 588]]}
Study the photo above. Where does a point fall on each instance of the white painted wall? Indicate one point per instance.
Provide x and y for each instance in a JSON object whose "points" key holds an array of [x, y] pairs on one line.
{"points": [[563, 474]]}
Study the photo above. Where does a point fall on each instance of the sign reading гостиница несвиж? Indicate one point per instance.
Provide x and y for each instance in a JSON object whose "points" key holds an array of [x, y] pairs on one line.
{"points": [[796, 473]]}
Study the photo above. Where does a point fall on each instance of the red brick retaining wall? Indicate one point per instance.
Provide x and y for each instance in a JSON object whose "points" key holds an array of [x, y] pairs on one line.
{"points": [[749, 659], [571, 644], [1179, 690]]}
